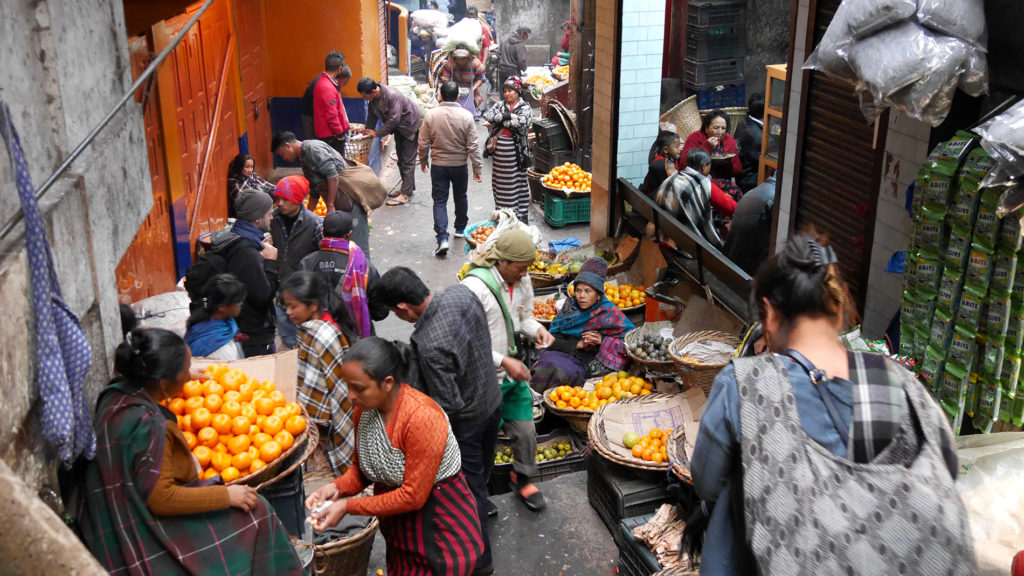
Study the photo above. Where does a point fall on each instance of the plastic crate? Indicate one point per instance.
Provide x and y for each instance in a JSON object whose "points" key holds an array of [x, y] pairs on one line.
{"points": [[545, 159], [563, 211], [498, 483], [721, 97], [710, 13], [550, 134], [617, 492], [635, 558], [288, 497], [715, 43], [699, 75]]}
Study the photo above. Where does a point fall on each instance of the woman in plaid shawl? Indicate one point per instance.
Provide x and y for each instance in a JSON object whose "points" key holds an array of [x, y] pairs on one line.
{"points": [[142, 508], [588, 333]]}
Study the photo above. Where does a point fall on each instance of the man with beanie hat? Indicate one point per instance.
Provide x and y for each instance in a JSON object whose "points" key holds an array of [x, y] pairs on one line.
{"points": [[296, 232], [499, 280], [343, 265], [255, 265]]}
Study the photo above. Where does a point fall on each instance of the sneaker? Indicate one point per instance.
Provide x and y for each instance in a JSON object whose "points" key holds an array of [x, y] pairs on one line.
{"points": [[459, 234], [492, 509], [442, 248]]}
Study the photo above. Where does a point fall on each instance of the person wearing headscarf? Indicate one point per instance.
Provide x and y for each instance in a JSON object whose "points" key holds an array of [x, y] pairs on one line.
{"points": [[498, 278], [510, 120], [588, 332]]}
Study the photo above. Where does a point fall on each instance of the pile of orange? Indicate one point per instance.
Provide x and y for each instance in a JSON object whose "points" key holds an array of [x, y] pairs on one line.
{"points": [[568, 176], [651, 447], [481, 233], [612, 388], [235, 425], [625, 295], [321, 208]]}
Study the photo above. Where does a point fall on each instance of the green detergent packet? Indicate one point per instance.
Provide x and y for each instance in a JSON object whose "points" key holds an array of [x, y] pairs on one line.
{"points": [[977, 165], [930, 237], [941, 330], [998, 311], [1004, 270], [970, 309], [932, 365], [948, 296], [987, 224], [961, 348], [979, 268], [986, 410], [1018, 411], [992, 359], [964, 209], [1011, 373], [929, 274], [924, 310], [958, 248], [1010, 232]]}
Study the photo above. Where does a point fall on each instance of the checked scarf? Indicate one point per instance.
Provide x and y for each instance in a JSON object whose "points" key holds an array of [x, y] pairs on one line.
{"points": [[604, 318], [353, 287]]}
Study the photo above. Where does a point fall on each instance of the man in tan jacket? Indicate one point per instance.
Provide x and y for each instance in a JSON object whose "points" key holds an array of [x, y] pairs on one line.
{"points": [[450, 131]]}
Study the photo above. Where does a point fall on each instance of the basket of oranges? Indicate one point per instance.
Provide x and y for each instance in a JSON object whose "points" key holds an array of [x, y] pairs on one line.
{"points": [[478, 233], [239, 428], [647, 451], [567, 180], [576, 404], [320, 209], [627, 297]]}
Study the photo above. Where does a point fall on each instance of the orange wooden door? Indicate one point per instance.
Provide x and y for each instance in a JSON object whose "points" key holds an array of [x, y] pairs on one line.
{"points": [[255, 93], [147, 267]]}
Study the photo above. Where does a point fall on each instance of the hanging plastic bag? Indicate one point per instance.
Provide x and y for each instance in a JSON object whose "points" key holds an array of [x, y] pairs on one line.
{"points": [[829, 57], [930, 98], [1003, 138], [868, 16], [960, 18], [892, 59]]}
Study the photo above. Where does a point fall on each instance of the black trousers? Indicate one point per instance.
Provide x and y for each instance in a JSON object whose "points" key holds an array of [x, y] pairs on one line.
{"points": [[477, 443]]}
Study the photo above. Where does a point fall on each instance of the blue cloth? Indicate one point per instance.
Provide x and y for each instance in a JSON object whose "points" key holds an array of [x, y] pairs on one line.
{"points": [[205, 338], [897, 262], [62, 354], [718, 448], [557, 246], [601, 316], [250, 232], [457, 177]]}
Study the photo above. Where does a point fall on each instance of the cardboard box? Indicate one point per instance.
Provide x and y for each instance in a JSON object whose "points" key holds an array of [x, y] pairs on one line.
{"points": [[678, 411], [281, 368]]}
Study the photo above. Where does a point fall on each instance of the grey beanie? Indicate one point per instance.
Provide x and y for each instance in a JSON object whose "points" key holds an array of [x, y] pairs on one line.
{"points": [[252, 205]]}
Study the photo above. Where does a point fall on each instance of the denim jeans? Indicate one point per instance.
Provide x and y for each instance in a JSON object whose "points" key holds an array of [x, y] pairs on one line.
{"points": [[285, 329], [477, 443], [441, 177]]}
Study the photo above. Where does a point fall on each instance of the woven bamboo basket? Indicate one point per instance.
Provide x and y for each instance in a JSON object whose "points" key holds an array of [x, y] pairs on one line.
{"points": [[266, 474], [605, 244], [544, 279], [677, 571], [599, 440], [679, 460], [695, 374], [631, 338], [345, 557], [684, 116], [357, 148], [297, 459], [577, 419], [736, 115]]}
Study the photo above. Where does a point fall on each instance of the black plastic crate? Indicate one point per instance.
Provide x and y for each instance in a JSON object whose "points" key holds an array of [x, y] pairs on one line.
{"points": [[544, 160], [618, 492], [712, 13], [635, 558], [550, 134], [288, 497], [721, 97], [699, 75], [498, 483], [715, 43]]}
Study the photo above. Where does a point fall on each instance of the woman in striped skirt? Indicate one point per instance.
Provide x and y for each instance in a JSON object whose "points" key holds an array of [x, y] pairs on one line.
{"points": [[405, 446], [511, 121]]}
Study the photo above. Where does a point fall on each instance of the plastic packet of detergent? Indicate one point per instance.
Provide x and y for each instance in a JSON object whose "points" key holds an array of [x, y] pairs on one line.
{"points": [[937, 214], [957, 148], [939, 192], [987, 223], [997, 314], [930, 235], [1015, 328], [1011, 373], [964, 209], [1018, 411], [1006, 407], [924, 309], [986, 411], [929, 274], [961, 348], [977, 165], [1018, 286], [907, 308], [958, 249], [970, 308], [932, 364], [952, 394], [948, 295], [1004, 270], [992, 358], [1010, 230], [941, 330], [979, 268]]}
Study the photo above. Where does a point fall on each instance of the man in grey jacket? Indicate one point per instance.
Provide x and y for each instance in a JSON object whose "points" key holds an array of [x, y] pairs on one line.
{"points": [[449, 130], [512, 55], [399, 116]]}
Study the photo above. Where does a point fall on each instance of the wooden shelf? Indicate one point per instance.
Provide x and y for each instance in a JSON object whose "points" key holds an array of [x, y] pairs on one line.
{"points": [[774, 96]]}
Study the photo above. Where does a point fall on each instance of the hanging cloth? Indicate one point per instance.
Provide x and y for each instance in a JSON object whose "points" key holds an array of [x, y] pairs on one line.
{"points": [[62, 349]]}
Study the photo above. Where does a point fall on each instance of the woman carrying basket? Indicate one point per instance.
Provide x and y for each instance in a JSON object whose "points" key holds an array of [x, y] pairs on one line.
{"points": [[405, 447]]}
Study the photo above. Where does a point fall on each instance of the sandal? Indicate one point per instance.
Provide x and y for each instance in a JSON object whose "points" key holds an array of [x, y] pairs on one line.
{"points": [[394, 194], [534, 501], [396, 201]]}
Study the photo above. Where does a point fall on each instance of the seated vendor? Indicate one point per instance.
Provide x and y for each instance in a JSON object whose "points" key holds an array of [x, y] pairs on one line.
{"points": [[689, 195], [588, 333], [715, 139], [667, 149], [142, 507]]}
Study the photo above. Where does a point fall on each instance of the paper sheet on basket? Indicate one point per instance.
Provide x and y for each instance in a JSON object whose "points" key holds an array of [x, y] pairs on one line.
{"points": [[281, 368], [680, 410]]}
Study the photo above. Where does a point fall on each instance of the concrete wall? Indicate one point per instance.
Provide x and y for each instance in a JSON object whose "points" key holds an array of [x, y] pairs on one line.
{"points": [[544, 18], [768, 24], [643, 35], [68, 60]]}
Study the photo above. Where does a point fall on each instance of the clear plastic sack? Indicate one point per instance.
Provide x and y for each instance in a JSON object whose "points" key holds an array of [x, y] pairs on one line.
{"points": [[429, 18], [1003, 138], [892, 59], [466, 33], [974, 78], [829, 57], [930, 98], [868, 16], [960, 18]]}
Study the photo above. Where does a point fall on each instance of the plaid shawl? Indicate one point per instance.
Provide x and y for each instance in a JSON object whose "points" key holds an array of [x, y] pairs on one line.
{"points": [[353, 287], [322, 391], [879, 404], [604, 318], [127, 538]]}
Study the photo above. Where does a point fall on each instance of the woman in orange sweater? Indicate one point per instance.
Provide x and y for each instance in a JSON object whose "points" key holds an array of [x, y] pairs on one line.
{"points": [[405, 447]]}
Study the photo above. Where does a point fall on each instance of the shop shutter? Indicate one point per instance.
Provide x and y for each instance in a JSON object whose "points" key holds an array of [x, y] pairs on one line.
{"points": [[839, 170]]}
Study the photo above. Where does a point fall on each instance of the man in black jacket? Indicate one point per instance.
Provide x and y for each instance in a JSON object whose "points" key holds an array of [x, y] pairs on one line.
{"points": [[512, 55], [255, 265], [748, 140], [296, 233]]}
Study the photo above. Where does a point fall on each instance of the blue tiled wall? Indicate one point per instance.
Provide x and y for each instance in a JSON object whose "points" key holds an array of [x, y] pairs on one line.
{"points": [[643, 34]]}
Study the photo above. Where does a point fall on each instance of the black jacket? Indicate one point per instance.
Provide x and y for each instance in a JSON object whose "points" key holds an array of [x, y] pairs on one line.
{"points": [[748, 140], [512, 55], [243, 259], [751, 229], [331, 266], [304, 239]]}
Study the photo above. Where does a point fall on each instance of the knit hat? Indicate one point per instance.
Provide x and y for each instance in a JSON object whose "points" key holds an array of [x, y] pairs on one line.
{"points": [[337, 224], [593, 273], [252, 205], [513, 83], [293, 188]]}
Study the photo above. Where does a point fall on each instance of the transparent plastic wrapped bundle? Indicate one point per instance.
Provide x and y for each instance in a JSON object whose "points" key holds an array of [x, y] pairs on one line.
{"points": [[930, 98], [829, 57], [974, 78], [866, 17], [893, 59], [960, 18], [429, 18], [1003, 138]]}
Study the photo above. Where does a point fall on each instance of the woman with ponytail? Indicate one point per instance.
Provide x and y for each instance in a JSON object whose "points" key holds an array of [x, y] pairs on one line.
{"points": [[211, 329], [143, 509], [821, 460]]}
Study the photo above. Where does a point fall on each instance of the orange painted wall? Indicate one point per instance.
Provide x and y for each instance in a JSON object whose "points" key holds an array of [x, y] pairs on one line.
{"points": [[301, 32]]}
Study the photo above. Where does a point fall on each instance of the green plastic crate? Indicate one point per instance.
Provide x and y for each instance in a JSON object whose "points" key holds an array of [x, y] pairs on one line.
{"points": [[563, 211]]}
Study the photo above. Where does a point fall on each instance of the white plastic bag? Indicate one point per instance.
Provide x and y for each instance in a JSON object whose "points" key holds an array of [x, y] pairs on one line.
{"points": [[868, 16], [1003, 138], [974, 78], [506, 220], [961, 18], [429, 18], [467, 33]]}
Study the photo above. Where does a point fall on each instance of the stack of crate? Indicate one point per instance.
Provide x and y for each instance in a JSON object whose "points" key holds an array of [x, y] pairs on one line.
{"points": [[715, 45]]}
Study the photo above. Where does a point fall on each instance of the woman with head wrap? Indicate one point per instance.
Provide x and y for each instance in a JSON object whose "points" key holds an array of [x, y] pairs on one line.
{"points": [[510, 120], [588, 333]]}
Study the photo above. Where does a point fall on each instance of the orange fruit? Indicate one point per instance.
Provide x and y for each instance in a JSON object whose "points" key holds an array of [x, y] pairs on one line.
{"points": [[257, 464], [574, 402], [242, 460], [268, 385], [635, 388], [253, 429], [264, 406], [293, 408], [208, 437], [214, 402], [245, 391], [216, 371], [221, 423], [272, 425], [254, 452], [192, 389], [295, 425], [232, 395], [281, 412], [203, 454], [229, 474], [654, 433], [638, 451], [176, 406], [190, 439], [647, 454], [221, 448], [210, 473], [278, 397], [270, 451], [231, 408], [239, 425], [249, 411], [658, 457], [232, 379], [258, 393], [224, 439], [239, 444], [202, 417], [561, 404], [212, 388], [220, 461], [258, 440], [261, 420], [185, 423], [284, 439], [194, 403]]}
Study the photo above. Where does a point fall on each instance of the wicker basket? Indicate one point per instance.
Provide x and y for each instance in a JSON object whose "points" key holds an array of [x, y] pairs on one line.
{"points": [[684, 116], [679, 460], [298, 458], [544, 279], [269, 472], [605, 244], [357, 148], [677, 571], [631, 338], [577, 419], [695, 374], [345, 557], [599, 440], [736, 115]]}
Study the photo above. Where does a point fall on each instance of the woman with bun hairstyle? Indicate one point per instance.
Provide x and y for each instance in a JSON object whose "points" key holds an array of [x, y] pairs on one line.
{"points": [[211, 329], [143, 509], [818, 459]]}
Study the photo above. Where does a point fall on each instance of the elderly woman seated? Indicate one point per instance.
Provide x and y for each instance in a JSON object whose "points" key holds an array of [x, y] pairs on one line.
{"points": [[588, 333], [691, 197]]}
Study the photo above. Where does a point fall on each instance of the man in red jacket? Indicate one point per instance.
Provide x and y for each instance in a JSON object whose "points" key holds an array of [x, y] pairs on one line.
{"points": [[329, 119]]}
